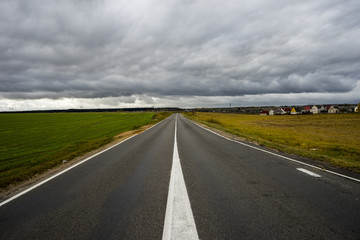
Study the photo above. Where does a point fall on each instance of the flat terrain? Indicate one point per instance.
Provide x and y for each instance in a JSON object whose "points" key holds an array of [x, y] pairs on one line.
{"points": [[332, 138], [32, 143], [235, 192]]}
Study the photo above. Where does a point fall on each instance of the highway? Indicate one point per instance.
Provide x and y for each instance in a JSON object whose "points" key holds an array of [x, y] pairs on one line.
{"points": [[201, 186]]}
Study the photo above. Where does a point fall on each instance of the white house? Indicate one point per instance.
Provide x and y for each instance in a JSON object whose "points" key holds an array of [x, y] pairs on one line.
{"points": [[277, 111], [315, 110], [332, 109]]}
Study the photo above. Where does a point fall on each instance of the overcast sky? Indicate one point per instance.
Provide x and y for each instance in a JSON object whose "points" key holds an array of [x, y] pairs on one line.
{"points": [[184, 53]]}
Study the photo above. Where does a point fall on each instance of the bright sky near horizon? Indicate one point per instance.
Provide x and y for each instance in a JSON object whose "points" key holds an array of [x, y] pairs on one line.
{"points": [[180, 53]]}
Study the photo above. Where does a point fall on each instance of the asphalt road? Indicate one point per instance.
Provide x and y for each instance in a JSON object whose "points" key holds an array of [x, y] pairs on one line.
{"points": [[235, 192]]}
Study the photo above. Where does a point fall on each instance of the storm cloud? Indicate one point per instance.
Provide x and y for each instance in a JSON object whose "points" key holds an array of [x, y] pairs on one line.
{"points": [[177, 49]]}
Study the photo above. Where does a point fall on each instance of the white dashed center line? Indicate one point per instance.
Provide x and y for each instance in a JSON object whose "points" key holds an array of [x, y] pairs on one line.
{"points": [[308, 172], [179, 220]]}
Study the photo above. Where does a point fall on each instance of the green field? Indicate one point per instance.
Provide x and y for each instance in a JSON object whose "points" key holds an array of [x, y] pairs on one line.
{"points": [[332, 138], [31, 143]]}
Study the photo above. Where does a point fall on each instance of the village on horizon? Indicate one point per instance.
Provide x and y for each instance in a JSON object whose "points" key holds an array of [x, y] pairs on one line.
{"points": [[262, 110], [287, 110]]}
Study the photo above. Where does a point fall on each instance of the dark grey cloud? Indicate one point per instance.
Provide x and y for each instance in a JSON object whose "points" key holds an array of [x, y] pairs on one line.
{"points": [[103, 48]]}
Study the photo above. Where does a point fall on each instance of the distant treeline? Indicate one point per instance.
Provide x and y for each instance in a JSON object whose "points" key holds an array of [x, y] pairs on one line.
{"points": [[244, 110], [170, 109]]}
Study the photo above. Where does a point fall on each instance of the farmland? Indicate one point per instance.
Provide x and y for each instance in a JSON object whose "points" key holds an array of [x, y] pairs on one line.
{"points": [[31, 143], [332, 138]]}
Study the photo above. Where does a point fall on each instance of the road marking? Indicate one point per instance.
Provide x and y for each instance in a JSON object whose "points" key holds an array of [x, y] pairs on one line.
{"points": [[179, 220], [278, 155], [308, 172], [67, 169]]}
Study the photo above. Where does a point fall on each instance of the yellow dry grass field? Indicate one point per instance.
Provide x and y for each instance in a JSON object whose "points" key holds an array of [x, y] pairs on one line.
{"points": [[333, 138]]}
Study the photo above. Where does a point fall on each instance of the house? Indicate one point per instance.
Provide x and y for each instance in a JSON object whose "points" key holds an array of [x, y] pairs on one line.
{"points": [[315, 110], [346, 108], [332, 109], [306, 110], [285, 110], [295, 111], [322, 109], [356, 109], [277, 111], [264, 112]]}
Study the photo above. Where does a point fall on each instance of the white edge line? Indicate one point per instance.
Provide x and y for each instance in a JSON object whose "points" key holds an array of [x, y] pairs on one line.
{"points": [[71, 167], [278, 155], [308, 172]]}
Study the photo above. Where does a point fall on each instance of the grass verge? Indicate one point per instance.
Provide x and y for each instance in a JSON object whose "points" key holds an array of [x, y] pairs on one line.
{"points": [[331, 138], [31, 143]]}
